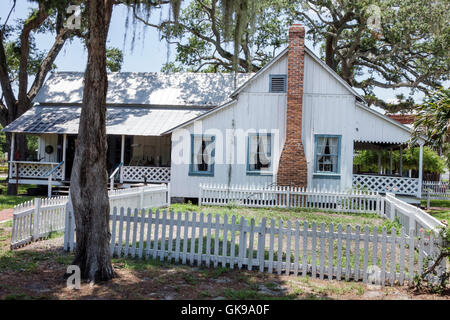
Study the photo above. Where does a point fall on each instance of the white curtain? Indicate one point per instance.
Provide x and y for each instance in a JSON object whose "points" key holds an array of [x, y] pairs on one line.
{"points": [[197, 151], [264, 149], [252, 151]]}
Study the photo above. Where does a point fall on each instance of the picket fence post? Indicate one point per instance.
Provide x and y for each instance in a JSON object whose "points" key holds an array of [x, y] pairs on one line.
{"points": [[141, 202], [168, 194], [200, 195], [37, 208]]}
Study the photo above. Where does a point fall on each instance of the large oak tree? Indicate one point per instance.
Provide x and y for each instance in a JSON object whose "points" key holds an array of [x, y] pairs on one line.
{"points": [[20, 59], [88, 188]]}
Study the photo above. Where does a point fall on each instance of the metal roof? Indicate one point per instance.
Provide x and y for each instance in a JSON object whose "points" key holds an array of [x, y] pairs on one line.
{"points": [[139, 121], [145, 88]]}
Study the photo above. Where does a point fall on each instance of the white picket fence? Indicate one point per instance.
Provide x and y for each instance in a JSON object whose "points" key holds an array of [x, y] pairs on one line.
{"points": [[153, 196], [36, 219], [435, 190], [291, 197], [291, 247], [412, 218]]}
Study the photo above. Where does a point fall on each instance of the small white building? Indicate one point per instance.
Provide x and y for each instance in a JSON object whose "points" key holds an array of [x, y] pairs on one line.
{"points": [[295, 122]]}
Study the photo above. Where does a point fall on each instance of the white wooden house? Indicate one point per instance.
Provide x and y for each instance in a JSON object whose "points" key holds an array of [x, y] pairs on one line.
{"points": [[295, 122]]}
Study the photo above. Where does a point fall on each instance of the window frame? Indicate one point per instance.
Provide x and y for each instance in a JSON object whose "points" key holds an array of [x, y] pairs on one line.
{"points": [[338, 155], [210, 172], [271, 76], [260, 172]]}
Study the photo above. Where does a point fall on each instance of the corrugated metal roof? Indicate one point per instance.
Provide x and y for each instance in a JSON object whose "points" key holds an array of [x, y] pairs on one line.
{"points": [[137, 121], [146, 88]]}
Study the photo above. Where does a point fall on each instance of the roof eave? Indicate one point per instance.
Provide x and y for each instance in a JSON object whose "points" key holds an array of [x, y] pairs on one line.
{"points": [[392, 121]]}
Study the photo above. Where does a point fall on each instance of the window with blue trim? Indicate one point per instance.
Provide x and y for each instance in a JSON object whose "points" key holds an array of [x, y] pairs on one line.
{"points": [[327, 155], [277, 83], [202, 155], [259, 153]]}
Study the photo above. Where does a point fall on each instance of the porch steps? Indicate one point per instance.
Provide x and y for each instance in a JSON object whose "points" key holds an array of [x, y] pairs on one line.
{"points": [[62, 190]]}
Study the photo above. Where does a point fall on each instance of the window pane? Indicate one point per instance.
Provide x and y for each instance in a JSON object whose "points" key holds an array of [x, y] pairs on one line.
{"points": [[327, 154], [202, 158], [259, 152]]}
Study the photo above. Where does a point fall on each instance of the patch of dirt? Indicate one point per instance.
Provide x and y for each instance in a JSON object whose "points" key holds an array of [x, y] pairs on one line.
{"points": [[6, 214]]}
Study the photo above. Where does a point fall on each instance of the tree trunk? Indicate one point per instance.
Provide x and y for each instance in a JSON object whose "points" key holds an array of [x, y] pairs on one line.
{"points": [[88, 188], [20, 141], [329, 53]]}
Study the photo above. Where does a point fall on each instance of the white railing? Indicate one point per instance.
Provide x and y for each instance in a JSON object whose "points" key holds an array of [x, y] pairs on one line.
{"points": [[152, 196], [436, 190], [149, 174], [113, 175], [384, 184], [292, 248], [34, 170], [36, 219], [413, 219], [290, 197]]}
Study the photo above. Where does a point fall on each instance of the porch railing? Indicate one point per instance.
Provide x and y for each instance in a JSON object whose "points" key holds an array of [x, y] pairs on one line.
{"points": [[386, 184], [50, 177], [111, 177], [148, 174], [34, 170]]}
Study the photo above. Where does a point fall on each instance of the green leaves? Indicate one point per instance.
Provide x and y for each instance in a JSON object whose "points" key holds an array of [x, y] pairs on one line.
{"points": [[433, 118], [367, 160], [409, 48], [219, 35], [114, 59]]}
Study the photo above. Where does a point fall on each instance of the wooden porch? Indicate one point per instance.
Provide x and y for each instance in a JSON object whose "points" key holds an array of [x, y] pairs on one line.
{"points": [[391, 178], [131, 160]]}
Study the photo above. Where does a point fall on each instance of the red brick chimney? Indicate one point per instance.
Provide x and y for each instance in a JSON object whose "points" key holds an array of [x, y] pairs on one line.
{"points": [[292, 170]]}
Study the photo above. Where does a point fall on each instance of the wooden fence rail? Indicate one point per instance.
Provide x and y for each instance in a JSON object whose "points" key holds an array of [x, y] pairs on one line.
{"points": [[291, 248], [36, 219], [290, 197]]}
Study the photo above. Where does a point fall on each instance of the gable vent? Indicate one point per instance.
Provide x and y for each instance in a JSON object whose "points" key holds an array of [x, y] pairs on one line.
{"points": [[278, 83]]}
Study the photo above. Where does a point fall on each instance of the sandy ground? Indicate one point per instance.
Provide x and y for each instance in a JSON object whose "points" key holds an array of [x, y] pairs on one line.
{"points": [[6, 214]]}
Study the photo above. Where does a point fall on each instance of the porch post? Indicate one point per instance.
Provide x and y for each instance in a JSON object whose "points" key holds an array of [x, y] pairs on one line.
{"points": [[401, 161], [419, 191], [122, 157], [390, 161], [380, 170], [11, 156], [64, 157]]}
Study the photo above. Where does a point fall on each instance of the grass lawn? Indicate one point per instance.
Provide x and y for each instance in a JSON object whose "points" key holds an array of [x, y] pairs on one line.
{"points": [[35, 272], [3, 169], [372, 220], [437, 203], [440, 209], [7, 202]]}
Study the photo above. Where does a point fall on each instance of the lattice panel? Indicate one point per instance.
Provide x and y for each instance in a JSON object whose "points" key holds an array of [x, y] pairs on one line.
{"points": [[35, 170], [396, 185], [153, 174]]}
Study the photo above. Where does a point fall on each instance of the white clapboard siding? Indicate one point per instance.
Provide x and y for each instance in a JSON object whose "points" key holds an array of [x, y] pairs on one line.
{"points": [[290, 197], [38, 218], [297, 248]]}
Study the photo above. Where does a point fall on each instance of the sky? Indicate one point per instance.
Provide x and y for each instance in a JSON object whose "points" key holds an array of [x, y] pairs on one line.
{"points": [[146, 56]]}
